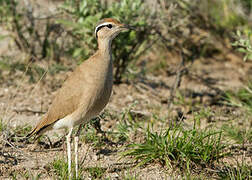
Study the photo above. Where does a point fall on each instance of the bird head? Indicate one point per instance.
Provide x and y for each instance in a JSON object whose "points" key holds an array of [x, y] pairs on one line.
{"points": [[109, 28]]}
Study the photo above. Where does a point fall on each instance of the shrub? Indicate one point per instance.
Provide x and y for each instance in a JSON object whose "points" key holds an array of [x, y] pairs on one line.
{"points": [[85, 14], [244, 44]]}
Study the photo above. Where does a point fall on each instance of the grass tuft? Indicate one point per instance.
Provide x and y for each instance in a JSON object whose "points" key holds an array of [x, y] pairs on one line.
{"points": [[176, 146]]}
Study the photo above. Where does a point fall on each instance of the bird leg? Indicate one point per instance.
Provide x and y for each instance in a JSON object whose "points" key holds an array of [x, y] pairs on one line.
{"points": [[76, 142], [68, 138], [50, 142], [79, 130]]}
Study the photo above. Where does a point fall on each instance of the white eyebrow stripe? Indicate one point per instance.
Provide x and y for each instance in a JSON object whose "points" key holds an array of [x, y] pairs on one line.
{"points": [[103, 24]]}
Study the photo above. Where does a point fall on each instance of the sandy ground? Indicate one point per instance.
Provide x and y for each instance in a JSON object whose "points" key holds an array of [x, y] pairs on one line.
{"points": [[23, 103]]}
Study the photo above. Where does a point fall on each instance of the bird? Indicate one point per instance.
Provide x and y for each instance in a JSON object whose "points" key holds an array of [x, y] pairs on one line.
{"points": [[85, 92]]}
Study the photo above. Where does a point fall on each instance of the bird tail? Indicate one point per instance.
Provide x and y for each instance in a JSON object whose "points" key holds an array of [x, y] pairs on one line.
{"points": [[30, 134], [37, 130]]}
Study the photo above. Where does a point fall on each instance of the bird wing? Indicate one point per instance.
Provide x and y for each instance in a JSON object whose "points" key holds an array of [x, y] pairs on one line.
{"points": [[65, 102], [67, 98]]}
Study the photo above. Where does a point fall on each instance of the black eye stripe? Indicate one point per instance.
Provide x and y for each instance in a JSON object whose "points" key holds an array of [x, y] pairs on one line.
{"points": [[100, 27], [109, 26]]}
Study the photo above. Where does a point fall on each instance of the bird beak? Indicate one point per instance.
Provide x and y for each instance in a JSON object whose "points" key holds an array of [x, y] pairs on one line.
{"points": [[126, 27]]}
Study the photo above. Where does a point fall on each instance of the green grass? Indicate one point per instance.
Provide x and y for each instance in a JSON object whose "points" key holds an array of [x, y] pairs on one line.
{"points": [[90, 136], [60, 168], [96, 172], [239, 134], [179, 147], [2, 125], [130, 176], [56, 68], [22, 130], [203, 113], [242, 171], [127, 125], [241, 98]]}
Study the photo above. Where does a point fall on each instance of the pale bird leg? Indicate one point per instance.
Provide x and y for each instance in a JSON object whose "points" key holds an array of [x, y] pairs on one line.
{"points": [[76, 141], [68, 138]]}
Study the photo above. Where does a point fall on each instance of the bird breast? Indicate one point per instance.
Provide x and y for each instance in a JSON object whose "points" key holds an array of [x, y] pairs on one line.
{"points": [[101, 91]]}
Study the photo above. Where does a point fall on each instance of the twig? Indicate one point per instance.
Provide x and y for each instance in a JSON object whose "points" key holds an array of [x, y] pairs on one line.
{"points": [[17, 149], [29, 110], [142, 88], [177, 81], [48, 17]]}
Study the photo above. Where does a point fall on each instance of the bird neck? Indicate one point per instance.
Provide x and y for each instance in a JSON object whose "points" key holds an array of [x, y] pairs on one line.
{"points": [[104, 47]]}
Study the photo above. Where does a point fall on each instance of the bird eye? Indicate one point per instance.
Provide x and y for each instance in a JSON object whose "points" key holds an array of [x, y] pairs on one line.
{"points": [[109, 26]]}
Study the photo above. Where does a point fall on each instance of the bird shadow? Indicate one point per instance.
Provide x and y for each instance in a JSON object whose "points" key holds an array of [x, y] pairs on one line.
{"points": [[105, 152], [7, 158]]}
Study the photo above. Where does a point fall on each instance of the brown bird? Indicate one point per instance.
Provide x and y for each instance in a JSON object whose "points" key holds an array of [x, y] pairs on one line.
{"points": [[86, 91]]}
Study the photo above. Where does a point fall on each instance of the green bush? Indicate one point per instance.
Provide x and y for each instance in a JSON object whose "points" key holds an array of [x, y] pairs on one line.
{"points": [[84, 16], [244, 44]]}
